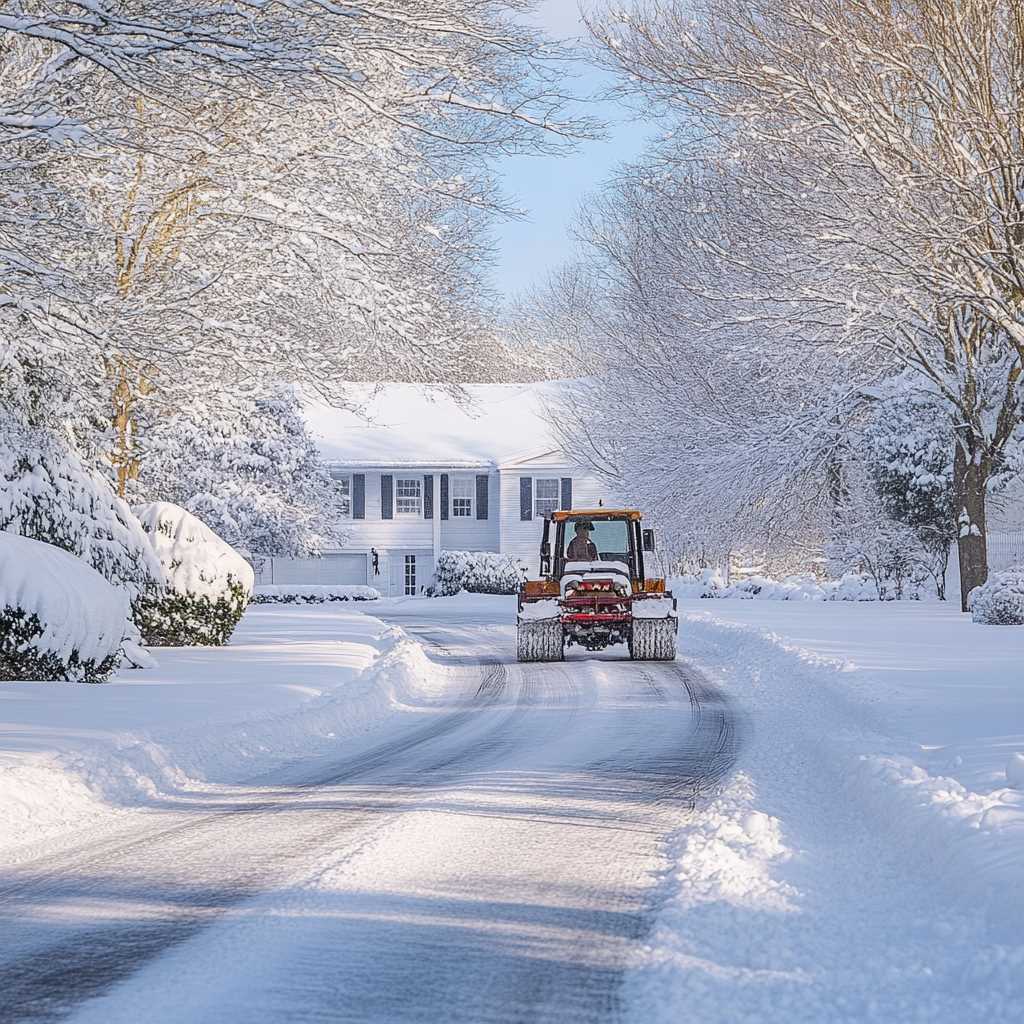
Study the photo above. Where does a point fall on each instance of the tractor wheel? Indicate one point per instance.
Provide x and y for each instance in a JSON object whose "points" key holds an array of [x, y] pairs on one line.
{"points": [[654, 639], [541, 640]]}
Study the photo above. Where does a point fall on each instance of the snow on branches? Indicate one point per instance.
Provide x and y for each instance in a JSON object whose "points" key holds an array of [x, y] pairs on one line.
{"points": [[252, 475], [842, 199]]}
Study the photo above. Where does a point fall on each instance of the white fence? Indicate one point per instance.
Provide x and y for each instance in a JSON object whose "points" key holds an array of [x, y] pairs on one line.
{"points": [[1005, 548]]}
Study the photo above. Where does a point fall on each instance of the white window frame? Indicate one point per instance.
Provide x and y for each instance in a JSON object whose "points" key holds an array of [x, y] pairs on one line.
{"points": [[417, 484], [344, 482], [541, 506], [467, 507], [409, 576]]}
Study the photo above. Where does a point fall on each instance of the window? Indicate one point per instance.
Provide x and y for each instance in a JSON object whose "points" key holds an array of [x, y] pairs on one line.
{"points": [[410, 575], [409, 496], [343, 485], [609, 536], [547, 497], [463, 492]]}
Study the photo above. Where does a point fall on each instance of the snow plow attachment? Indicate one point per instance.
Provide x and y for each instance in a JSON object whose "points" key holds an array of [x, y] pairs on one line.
{"points": [[594, 590]]}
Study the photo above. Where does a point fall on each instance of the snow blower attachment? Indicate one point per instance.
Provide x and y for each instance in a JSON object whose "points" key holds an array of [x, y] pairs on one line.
{"points": [[594, 590]]}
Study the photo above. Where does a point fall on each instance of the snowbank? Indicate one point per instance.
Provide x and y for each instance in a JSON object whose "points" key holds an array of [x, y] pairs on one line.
{"points": [[208, 582], [59, 618], [296, 683], [300, 594], [937, 700], [864, 864], [710, 583]]}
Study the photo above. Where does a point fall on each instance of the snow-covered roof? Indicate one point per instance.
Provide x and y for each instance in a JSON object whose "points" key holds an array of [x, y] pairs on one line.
{"points": [[425, 426]]}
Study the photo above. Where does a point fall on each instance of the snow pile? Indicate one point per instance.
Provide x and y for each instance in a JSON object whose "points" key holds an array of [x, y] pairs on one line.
{"points": [[208, 582], [1015, 771], [654, 608], [575, 572], [302, 594], [48, 495], [535, 611], [710, 583], [296, 684], [59, 619], [1000, 601], [476, 572]]}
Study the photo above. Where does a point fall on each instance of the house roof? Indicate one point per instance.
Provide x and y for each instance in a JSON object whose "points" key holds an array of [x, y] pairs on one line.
{"points": [[425, 426]]}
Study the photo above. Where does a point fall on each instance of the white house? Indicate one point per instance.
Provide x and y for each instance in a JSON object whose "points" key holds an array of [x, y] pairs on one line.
{"points": [[425, 472]]}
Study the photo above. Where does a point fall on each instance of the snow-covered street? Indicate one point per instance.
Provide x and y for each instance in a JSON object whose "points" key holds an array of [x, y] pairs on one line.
{"points": [[494, 854], [591, 840]]}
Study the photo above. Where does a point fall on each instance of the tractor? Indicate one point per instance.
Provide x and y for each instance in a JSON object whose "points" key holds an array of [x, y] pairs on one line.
{"points": [[594, 590]]}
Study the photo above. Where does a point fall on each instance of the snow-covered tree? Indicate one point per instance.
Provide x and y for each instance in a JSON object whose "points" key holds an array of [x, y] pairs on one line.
{"points": [[254, 476], [233, 194], [908, 444], [881, 145], [48, 494]]}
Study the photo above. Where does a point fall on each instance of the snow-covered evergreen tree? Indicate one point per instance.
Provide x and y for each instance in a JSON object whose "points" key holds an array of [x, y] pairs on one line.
{"points": [[48, 494], [252, 475]]}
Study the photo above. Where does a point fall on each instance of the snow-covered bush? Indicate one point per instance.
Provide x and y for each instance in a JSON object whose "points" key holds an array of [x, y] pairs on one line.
{"points": [[852, 587], [478, 572], [706, 583], [1000, 600], [48, 494], [299, 594], [59, 619], [208, 582], [711, 583]]}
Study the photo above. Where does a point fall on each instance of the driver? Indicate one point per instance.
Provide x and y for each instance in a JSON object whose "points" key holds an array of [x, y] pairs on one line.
{"points": [[581, 548]]}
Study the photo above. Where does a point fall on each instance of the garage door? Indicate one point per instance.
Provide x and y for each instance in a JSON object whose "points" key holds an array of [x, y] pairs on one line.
{"points": [[331, 570]]}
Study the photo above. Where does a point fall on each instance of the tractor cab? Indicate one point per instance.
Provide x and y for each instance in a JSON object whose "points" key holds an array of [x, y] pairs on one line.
{"points": [[615, 538]]}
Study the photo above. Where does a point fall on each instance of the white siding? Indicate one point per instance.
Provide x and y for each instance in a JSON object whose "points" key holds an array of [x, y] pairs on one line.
{"points": [[384, 534], [331, 570], [522, 538], [474, 534]]}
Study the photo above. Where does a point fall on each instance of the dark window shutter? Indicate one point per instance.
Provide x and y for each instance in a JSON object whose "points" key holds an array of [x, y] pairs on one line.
{"points": [[358, 495], [387, 496], [482, 493], [428, 496], [566, 492], [525, 497], [444, 495]]}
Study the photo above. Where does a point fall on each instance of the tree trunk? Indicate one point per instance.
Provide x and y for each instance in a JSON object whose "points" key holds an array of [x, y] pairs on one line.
{"points": [[970, 482]]}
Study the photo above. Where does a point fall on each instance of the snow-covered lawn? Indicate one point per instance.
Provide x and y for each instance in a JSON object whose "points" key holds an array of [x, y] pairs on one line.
{"points": [[293, 683], [949, 692], [865, 861]]}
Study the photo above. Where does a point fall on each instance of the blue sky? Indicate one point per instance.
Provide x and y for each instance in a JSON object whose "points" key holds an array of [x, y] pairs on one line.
{"points": [[549, 189]]}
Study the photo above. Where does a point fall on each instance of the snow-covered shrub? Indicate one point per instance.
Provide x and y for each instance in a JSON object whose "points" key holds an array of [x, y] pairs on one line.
{"points": [[48, 494], [208, 582], [852, 587], [478, 572], [299, 594], [800, 587], [59, 619], [1000, 601], [706, 583]]}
